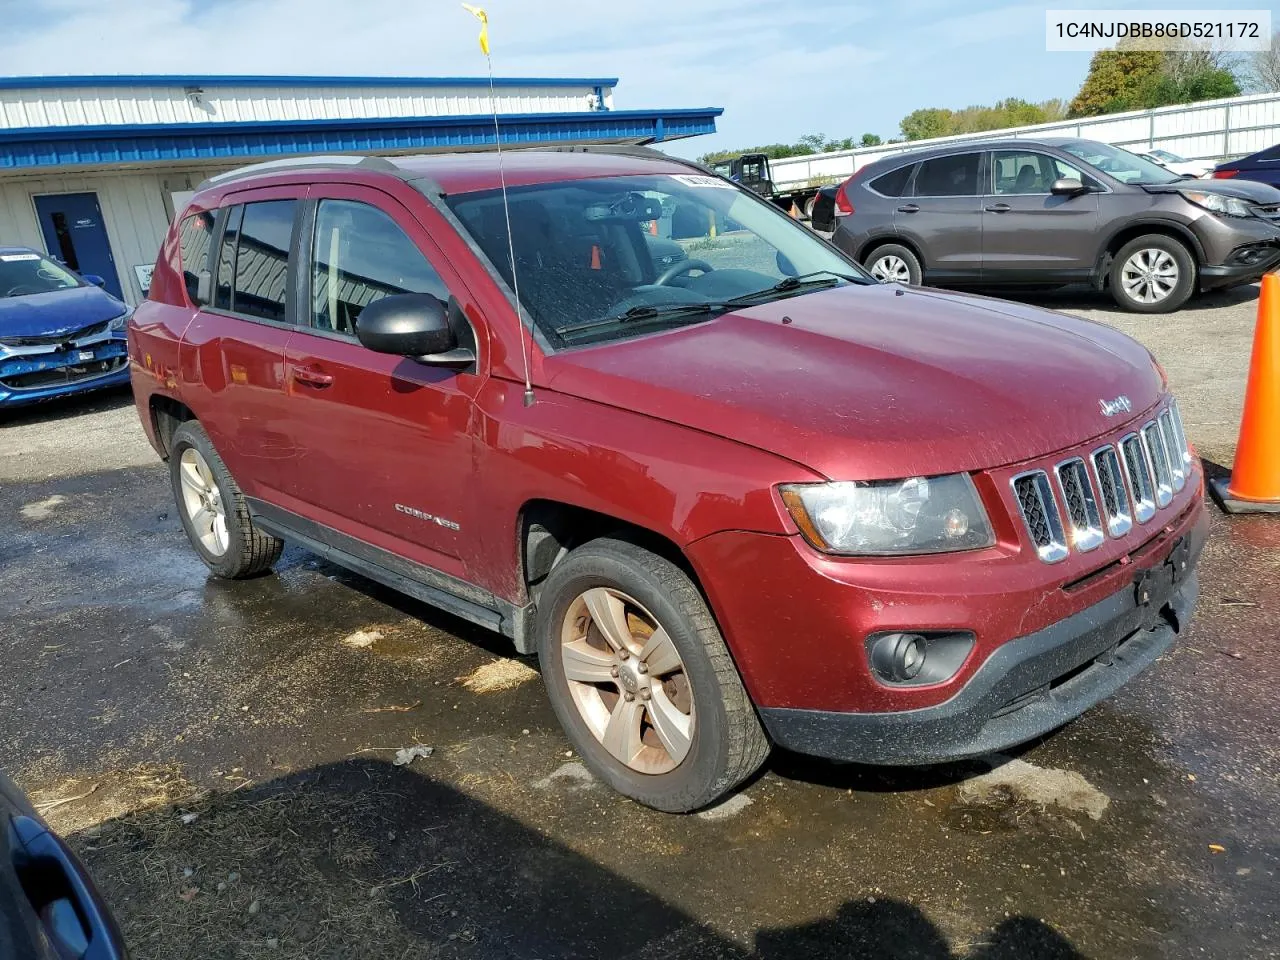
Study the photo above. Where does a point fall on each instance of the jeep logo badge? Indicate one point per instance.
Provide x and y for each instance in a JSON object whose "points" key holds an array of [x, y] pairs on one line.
{"points": [[1120, 404]]}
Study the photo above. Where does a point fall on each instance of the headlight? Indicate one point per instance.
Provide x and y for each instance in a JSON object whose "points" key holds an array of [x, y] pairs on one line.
{"points": [[118, 323], [888, 518], [1217, 203]]}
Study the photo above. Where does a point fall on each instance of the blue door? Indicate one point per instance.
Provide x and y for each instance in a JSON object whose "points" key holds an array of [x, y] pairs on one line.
{"points": [[75, 234]]}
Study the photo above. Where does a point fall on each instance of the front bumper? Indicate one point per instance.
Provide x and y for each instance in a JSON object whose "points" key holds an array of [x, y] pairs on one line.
{"points": [[1237, 250], [31, 377], [1027, 688]]}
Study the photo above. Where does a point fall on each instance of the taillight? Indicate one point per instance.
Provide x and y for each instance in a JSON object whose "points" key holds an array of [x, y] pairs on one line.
{"points": [[843, 206], [1225, 174]]}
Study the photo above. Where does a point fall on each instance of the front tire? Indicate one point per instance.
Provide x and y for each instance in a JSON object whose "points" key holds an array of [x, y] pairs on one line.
{"points": [[1153, 274], [213, 510], [641, 679], [894, 263]]}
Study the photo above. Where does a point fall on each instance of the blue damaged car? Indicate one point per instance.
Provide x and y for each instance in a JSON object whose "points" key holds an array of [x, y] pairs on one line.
{"points": [[60, 333]]}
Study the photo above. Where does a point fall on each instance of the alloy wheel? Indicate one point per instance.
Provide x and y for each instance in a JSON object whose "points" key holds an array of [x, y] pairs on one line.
{"points": [[891, 269], [627, 680], [1150, 275], [202, 501]]}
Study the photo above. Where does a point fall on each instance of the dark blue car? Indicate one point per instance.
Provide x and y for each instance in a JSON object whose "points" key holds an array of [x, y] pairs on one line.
{"points": [[1263, 166], [59, 333], [49, 907]]}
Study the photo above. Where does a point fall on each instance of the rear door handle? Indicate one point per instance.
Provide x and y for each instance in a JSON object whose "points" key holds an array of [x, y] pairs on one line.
{"points": [[909, 208], [312, 377], [999, 208]]}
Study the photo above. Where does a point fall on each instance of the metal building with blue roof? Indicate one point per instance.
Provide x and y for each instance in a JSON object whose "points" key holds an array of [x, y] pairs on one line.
{"points": [[92, 169]]}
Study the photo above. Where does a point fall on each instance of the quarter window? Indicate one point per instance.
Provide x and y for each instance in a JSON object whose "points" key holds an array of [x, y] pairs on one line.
{"points": [[894, 182], [948, 176], [195, 235], [360, 255]]}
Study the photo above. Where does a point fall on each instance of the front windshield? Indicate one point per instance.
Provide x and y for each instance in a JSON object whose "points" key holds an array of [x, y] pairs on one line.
{"points": [[1168, 157], [23, 274], [1119, 164], [596, 257]]}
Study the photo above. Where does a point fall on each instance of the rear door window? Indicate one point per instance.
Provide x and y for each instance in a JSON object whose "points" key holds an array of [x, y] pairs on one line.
{"points": [[262, 259], [894, 182], [955, 176], [253, 260], [359, 255]]}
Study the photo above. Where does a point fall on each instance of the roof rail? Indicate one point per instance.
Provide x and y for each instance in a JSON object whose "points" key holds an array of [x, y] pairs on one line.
{"points": [[338, 162], [625, 150]]}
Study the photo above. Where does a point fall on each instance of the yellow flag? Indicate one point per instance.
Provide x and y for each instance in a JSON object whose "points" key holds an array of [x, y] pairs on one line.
{"points": [[483, 17]]}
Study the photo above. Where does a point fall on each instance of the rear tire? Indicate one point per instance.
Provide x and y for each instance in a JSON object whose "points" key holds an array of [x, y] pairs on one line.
{"points": [[688, 733], [894, 263], [1153, 274], [213, 510]]}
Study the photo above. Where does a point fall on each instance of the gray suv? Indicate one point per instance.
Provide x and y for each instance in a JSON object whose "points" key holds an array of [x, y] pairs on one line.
{"points": [[1052, 212]]}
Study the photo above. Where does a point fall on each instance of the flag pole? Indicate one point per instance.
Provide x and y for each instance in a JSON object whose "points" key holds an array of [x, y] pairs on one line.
{"points": [[483, 17]]}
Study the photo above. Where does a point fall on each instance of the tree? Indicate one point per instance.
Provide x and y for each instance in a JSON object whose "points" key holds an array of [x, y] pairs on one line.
{"points": [[1114, 80], [870, 140], [927, 122], [1131, 79], [1261, 70]]}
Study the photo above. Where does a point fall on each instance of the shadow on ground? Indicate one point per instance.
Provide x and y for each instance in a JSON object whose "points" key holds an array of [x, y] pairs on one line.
{"points": [[361, 858]]}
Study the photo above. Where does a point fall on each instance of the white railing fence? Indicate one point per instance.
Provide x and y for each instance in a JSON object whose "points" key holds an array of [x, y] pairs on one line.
{"points": [[1213, 130]]}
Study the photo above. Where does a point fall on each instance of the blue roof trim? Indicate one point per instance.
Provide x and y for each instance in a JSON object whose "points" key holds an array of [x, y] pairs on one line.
{"points": [[254, 80], [167, 143]]}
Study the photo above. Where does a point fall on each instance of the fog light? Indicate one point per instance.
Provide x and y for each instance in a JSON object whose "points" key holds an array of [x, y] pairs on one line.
{"points": [[899, 656], [918, 659]]}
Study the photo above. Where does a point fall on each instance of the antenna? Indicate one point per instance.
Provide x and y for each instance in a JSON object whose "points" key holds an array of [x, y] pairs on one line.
{"points": [[483, 17]]}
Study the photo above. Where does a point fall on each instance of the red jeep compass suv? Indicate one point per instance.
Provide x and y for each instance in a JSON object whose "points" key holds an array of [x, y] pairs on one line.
{"points": [[728, 489]]}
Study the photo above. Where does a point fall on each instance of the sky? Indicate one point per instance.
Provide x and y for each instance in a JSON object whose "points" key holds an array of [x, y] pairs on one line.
{"points": [[779, 69]]}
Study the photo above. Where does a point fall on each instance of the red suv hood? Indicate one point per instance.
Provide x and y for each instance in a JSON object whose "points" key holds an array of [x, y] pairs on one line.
{"points": [[876, 382]]}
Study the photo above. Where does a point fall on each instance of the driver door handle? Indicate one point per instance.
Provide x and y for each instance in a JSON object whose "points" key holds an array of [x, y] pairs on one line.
{"points": [[909, 208], [312, 377], [999, 208]]}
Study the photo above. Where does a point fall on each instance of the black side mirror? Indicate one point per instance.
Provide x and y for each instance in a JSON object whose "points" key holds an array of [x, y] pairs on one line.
{"points": [[1066, 187], [412, 325], [93, 278]]}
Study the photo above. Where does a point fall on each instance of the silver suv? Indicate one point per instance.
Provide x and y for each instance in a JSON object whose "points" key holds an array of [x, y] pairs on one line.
{"points": [[1052, 212]]}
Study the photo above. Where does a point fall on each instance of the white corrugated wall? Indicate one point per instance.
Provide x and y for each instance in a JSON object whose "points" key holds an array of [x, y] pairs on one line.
{"points": [[133, 211], [37, 106]]}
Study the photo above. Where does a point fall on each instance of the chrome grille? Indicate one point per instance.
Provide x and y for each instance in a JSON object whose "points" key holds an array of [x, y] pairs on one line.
{"points": [[1040, 514], [1115, 499], [1082, 509], [1138, 473], [1181, 433], [1173, 450], [1158, 457], [1076, 505]]}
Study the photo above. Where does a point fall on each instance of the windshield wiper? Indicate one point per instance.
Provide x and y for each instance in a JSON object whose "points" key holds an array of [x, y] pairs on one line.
{"points": [[807, 281], [646, 312]]}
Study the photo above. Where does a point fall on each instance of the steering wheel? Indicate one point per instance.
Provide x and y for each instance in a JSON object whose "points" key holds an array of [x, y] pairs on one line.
{"points": [[680, 269], [21, 290]]}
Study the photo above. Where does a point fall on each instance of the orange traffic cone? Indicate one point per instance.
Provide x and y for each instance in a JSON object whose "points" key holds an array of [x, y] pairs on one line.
{"points": [[1254, 484]]}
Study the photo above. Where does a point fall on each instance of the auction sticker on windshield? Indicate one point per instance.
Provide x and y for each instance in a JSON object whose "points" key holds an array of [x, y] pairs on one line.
{"points": [[12, 257], [699, 180]]}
